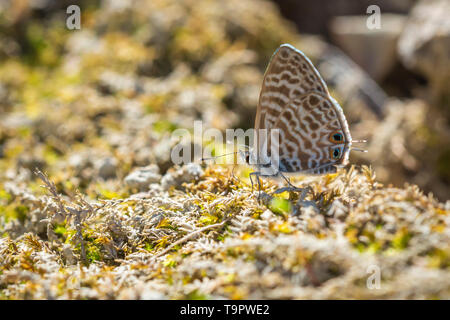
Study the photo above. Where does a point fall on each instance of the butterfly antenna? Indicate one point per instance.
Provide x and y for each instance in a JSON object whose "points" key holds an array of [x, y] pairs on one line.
{"points": [[358, 149], [359, 141], [222, 155], [244, 146], [232, 172]]}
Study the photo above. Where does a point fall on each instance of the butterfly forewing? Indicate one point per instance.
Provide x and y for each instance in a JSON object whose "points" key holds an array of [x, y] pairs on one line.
{"points": [[288, 75]]}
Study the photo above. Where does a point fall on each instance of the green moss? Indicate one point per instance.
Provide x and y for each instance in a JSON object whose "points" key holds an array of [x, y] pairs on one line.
{"points": [[439, 258], [162, 126], [280, 206], [44, 42], [170, 262], [165, 223], [4, 195], [197, 295], [149, 246], [208, 219], [14, 211], [156, 102], [110, 194], [225, 234], [401, 239], [60, 230], [372, 247], [70, 233], [51, 156], [93, 252]]}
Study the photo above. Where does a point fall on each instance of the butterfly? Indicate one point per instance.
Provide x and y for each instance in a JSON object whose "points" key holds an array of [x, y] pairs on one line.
{"points": [[312, 132]]}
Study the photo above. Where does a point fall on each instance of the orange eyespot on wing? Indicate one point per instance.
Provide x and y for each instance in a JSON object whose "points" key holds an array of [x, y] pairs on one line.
{"points": [[337, 137], [335, 153]]}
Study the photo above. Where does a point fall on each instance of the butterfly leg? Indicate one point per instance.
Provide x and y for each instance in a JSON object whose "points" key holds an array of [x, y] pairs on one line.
{"points": [[251, 180], [259, 187], [303, 194], [256, 174], [305, 191], [291, 187]]}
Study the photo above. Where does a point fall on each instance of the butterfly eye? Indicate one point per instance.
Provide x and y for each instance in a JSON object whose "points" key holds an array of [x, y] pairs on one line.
{"points": [[337, 137], [335, 153]]}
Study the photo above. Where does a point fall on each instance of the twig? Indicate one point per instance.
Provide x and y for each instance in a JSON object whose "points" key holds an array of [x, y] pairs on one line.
{"points": [[190, 235]]}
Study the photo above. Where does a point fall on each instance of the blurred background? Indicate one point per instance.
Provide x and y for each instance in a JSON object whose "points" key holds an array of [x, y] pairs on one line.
{"points": [[88, 105]]}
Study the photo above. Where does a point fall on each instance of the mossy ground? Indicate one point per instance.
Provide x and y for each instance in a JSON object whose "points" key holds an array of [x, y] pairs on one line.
{"points": [[87, 107], [321, 247]]}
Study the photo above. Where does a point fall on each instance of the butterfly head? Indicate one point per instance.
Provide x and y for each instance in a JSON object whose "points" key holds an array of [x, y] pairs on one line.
{"points": [[245, 155]]}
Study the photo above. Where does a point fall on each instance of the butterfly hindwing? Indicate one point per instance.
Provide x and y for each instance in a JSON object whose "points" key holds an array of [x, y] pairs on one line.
{"points": [[314, 135]]}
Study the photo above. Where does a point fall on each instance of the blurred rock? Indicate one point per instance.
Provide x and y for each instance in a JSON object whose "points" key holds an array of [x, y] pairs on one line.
{"points": [[168, 180], [425, 44], [79, 161], [187, 173], [111, 83], [410, 144], [142, 177], [68, 254], [374, 50], [313, 16], [161, 153], [15, 120], [141, 291], [360, 96], [107, 167]]}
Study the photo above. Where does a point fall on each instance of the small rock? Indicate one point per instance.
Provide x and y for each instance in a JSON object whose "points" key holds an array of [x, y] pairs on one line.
{"points": [[111, 82], [107, 168], [193, 170], [31, 163], [141, 178], [149, 294], [372, 49], [168, 180], [266, 215], [79, 161], [161, 152], [68, 254], [187, 173], [337, 210], [425, 43]]}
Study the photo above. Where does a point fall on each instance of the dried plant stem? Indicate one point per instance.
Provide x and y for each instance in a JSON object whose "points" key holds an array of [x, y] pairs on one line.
{"points": [[79, 235], [191, 235], [50, 186]]}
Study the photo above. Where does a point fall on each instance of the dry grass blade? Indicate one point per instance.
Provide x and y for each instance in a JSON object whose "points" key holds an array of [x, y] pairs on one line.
{"points": [[190, 236]]}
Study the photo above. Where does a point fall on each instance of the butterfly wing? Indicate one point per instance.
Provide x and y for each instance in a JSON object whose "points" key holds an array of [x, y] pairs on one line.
{"points": [[313, 135], [289, 74]]}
